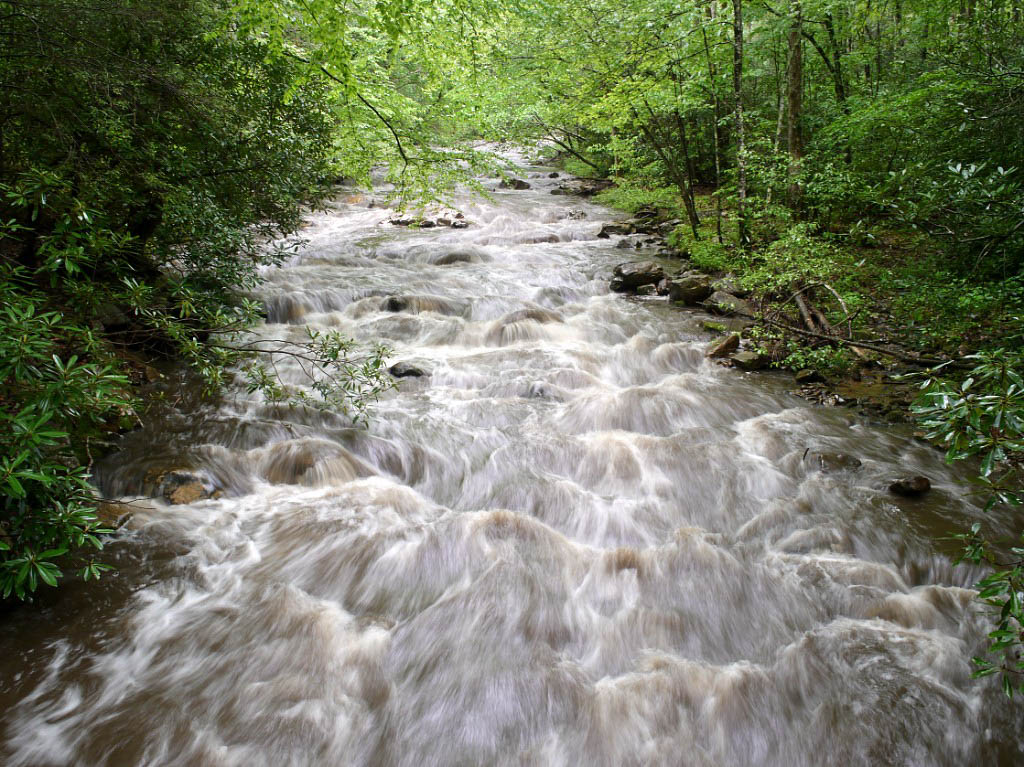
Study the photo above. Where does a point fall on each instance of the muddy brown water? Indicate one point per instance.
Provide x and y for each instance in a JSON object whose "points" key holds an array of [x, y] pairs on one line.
{"points": [[577, 541]]}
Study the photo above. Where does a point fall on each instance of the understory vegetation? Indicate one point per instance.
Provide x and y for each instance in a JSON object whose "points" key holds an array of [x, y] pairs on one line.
{"points": [[156, 155]]}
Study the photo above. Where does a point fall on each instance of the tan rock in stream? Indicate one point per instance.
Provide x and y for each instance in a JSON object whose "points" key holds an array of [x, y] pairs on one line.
{"points": [[723, 347]]}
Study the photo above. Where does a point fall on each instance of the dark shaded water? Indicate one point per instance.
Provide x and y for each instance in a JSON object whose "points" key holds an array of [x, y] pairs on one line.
{"points": [[576, 542]]}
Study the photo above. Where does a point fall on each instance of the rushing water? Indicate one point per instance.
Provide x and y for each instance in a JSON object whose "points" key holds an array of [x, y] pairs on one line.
{"points": [[577, 541]]}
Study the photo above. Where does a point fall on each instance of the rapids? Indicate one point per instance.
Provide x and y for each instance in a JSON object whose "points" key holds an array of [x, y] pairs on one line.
{"points": [[576, 541]]}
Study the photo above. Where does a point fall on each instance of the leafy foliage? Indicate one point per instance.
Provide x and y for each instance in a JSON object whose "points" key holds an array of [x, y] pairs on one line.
{"points": [[982, 418]]}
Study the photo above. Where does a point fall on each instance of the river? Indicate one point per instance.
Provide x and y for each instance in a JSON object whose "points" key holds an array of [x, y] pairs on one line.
{"points": [[575, 541]]}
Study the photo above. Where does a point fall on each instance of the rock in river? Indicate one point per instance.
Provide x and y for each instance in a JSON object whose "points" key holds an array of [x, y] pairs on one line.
{"points": [[723, 347], [690, 290], [911, 487], [749, 361], [632, 275], [514, 183], [406, 370]]}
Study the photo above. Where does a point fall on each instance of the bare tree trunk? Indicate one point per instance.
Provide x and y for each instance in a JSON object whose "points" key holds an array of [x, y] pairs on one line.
{"points": [[737, 87], [691, 174], [794, 103]]}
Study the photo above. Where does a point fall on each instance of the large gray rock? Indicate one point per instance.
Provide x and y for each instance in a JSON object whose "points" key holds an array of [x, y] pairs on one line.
{"points": [[721, 302], [689, 290], [749, 361], [608, 230], [631, 276]]}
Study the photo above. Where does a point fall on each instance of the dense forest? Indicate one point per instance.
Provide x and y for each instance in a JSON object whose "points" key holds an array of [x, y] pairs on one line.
{"points": [[857, 166]]}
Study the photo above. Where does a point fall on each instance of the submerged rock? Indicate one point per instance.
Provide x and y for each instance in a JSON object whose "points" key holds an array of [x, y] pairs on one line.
{"points": [[830, 462], [911, 487]]}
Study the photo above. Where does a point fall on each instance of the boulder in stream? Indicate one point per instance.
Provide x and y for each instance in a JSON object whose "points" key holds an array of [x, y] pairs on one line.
{"points": [[407, 370], [631, 276], [723, 347], [181, 486], [514, 183], [749, 361], [689, 290], [608, 230], [832, 462], [910, 487]]}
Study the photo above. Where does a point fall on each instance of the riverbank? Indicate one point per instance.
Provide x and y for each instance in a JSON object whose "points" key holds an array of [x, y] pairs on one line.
{"points": [[849, 318]]}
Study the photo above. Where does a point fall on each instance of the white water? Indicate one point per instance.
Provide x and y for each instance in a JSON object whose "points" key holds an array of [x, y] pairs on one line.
{"points": [[576, 542]]}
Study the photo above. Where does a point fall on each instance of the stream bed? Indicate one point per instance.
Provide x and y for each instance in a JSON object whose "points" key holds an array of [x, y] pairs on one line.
{"points": [[574, 540]]}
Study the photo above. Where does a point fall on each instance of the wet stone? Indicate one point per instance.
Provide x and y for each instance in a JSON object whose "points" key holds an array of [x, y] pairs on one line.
{"points": [[749, 361], [832, 462], [182, 487], [689, 290], [910, 487], [514, 183], [807, 376], [406, 370], [633, 275], [723, 348], [613, 229]]}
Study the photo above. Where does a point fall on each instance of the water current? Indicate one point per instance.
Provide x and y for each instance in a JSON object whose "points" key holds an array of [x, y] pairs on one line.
{"points": [[575, 541]]}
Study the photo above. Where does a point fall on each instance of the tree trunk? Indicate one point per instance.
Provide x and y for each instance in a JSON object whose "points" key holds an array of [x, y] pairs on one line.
{"points": [[794, 103], [691, 206], [737, 87], [718, 119]]}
